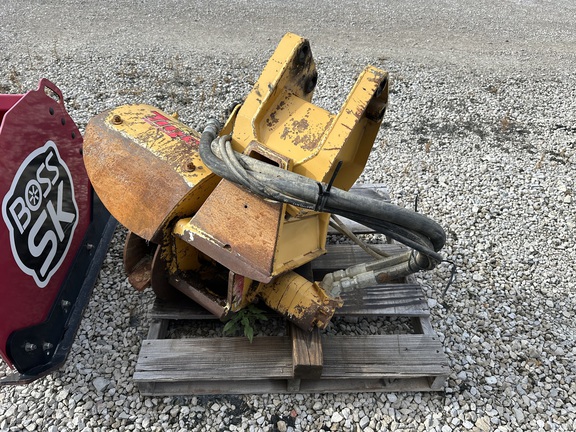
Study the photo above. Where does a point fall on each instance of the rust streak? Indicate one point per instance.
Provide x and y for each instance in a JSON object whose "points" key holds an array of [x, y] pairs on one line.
{"points": [[272, 120], [377, 76]]}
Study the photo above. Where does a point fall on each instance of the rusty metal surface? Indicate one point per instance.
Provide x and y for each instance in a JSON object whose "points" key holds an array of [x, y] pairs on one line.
{"points": [[137, 259], [237, 229], [302, 302], [198, 292], [278, 113], [159, 277], [145, 167]]}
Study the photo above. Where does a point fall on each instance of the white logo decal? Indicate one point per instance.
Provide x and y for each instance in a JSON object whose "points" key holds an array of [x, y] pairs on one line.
{"points": [[41, 213]]}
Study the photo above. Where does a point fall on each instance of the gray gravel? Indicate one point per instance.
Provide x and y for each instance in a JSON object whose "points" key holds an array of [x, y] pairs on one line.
{"points": [[482, 127]]}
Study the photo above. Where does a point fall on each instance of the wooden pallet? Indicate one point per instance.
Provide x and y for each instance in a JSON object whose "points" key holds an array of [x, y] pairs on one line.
{"points": [[299, 361]]}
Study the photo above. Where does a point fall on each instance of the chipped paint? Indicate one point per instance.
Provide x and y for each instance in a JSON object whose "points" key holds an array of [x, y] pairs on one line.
{"points": [[162, 189]]}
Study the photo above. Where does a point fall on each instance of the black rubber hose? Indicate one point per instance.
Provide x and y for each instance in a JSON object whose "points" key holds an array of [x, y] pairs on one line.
{"points": [[413, 229], [218, 167], [359, 208], [403, 225]]}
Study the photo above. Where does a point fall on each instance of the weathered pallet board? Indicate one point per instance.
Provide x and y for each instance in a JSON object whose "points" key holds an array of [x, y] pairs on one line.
{"points": [[233, 365], [305, 362], [213, 358], [299, 361]]}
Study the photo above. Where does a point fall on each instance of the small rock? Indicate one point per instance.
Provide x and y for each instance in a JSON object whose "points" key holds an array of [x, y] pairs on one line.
{"points": [[491, 380], [62, 395], [281, 425], [483, 423], [10, 411], [519, 414], [336, 418], [346, 413], [100, 384], [559, 351]]}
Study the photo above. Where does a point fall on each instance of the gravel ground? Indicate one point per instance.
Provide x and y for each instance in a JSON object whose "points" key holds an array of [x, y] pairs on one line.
{"points": [[482, 127]]}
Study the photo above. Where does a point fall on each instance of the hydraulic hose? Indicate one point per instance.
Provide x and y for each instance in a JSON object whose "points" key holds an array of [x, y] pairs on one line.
{"points": [[406, 226]]}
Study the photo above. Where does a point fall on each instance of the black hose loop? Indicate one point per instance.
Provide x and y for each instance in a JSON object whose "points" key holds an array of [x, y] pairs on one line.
{"points": [[413, 229]]}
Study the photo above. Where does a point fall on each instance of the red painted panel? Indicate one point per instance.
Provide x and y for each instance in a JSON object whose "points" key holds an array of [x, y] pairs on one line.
{"points": [[45, 198]]}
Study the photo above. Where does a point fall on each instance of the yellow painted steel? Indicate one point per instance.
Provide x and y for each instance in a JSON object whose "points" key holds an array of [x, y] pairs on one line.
{"points": [[278, 122], [163, 136], [146, 168], [180, 256], [278, 113], [300, 300], [300, 240]]}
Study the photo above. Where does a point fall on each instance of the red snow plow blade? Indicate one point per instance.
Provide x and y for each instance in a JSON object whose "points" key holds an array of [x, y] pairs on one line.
{"points": [[54, 232]]}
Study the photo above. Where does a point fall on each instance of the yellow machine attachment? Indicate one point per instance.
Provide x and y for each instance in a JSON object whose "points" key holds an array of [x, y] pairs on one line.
{"points": [[217, 241], [146, 167]]}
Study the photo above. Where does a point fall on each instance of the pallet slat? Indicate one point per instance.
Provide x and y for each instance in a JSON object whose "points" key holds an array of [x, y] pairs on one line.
{"points": [[382, 355], [380, 300], [344, 255], [307, 353], [351, 363], [184, 309], [214, 359], [385, 300], [267, 386]]}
